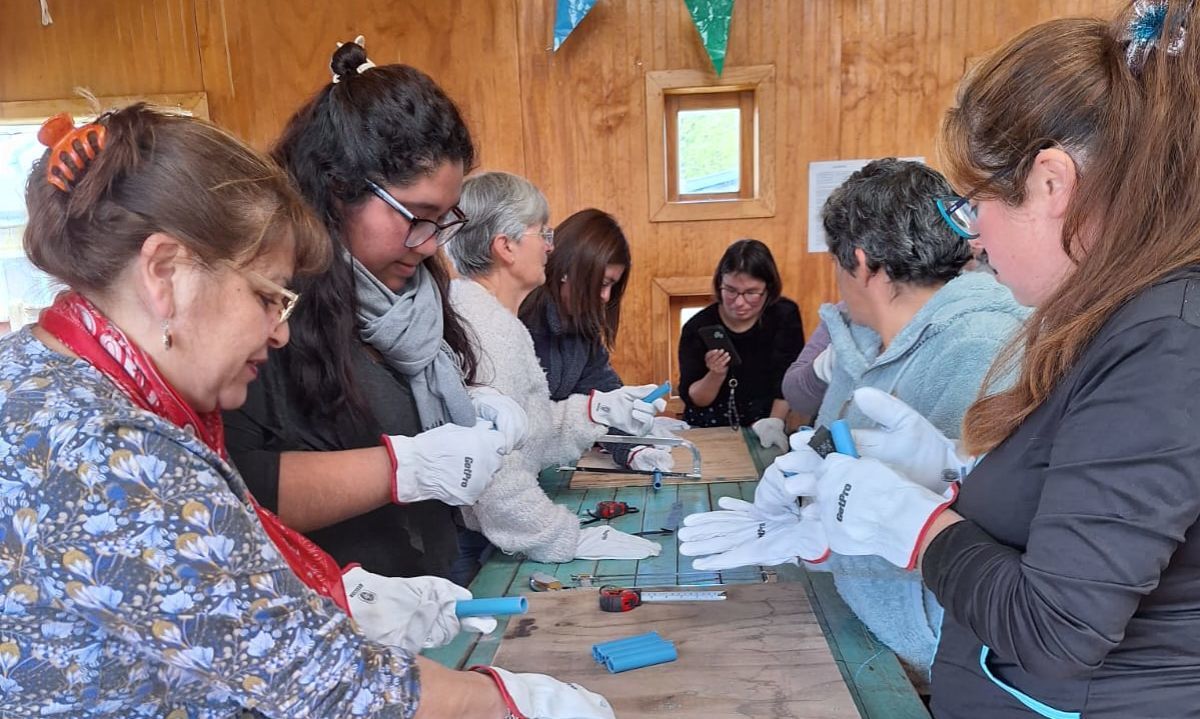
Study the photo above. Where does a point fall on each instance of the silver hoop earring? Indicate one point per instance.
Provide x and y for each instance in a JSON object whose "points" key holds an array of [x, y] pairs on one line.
{"points": [[167, 339]]}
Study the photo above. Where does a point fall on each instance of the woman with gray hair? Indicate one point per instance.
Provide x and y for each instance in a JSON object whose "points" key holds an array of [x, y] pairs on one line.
{"points": [[912, 324], [501, 255]]}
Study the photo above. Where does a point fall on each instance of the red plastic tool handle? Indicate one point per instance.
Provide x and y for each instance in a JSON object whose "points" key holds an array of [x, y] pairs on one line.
{"points": [[619, 599]]}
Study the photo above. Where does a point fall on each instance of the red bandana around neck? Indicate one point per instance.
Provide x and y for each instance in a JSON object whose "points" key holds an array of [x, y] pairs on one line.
{"points": [[79, 325]]}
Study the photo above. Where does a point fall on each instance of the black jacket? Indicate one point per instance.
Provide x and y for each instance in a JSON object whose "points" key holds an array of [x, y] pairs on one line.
{"points": [[573, 364], [1079, 566], [395, 540]]}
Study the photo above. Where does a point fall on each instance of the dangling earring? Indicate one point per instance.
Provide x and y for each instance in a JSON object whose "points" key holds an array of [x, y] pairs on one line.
{"points": [[167, 339]]}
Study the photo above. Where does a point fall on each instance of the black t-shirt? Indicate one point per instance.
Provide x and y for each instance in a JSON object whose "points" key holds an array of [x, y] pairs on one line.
{"points": [[1079, 564], [395, 540], [767, 349]]}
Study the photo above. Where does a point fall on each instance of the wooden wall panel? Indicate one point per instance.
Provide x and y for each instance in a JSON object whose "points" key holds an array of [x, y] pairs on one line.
{"points": [[262, 59], [854, 78], [111, 47]]}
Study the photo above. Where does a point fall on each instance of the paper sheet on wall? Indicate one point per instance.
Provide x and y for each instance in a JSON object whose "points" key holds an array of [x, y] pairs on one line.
{"points": [[823, 179]]}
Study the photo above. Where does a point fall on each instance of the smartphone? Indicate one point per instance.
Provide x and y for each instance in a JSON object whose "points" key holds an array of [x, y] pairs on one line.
{"points": [[716, 337]]}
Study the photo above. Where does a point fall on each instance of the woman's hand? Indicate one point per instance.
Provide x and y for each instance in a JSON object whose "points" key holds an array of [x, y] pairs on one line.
{"points": [[412, 613], [717, 361], [537, 696]]}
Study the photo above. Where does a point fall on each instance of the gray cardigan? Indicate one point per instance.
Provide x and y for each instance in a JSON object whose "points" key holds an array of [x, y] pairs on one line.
{"points": [[936, 364]]}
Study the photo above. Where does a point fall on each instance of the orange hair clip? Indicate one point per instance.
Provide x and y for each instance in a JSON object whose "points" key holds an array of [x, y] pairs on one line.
{"points": [[60, 135]]}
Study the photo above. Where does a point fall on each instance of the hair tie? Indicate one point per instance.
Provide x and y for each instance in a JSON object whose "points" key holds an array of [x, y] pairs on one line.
{"points": [[1148, 27], [366, 65], [60, 135]]}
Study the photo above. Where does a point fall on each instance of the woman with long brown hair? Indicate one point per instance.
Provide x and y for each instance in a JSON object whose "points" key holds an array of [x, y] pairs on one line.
{"points": [[1068, 562], [574, 316]]}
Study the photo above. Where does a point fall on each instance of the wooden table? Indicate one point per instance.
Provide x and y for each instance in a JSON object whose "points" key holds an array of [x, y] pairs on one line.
{"points": [[871, 672]]}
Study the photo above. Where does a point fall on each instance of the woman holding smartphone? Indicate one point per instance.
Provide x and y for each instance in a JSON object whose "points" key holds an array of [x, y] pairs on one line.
{"points": [[733, 353]]}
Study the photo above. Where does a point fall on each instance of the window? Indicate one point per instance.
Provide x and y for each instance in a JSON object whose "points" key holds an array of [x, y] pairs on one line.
{"points": [[673, 301], [24, 289], [710, 146], [711, 143]]}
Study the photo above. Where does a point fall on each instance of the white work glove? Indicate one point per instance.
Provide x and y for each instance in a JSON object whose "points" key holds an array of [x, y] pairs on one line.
{"points": [[414, 613], [504, 413], [823, 364], [770, 433], [868, 508], [624, 409], [668, 426], [537, 696], [740, 536], [907, 441], [451, 463], [651, 459], [790, 476], [608, 543]]}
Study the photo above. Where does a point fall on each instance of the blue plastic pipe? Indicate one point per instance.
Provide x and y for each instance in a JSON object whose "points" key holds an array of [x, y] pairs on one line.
{"points": [[494, 607], [659, 392], [601, 651], [655, 654], [843, 440], [634, 649]]}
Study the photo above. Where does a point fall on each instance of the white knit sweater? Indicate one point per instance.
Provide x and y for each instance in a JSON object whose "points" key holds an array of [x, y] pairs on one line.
{"points": [[513, 512]]}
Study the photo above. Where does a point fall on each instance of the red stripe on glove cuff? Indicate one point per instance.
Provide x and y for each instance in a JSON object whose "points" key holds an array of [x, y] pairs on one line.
{"points": [[912, 560], [513, 711], [387, 444]]}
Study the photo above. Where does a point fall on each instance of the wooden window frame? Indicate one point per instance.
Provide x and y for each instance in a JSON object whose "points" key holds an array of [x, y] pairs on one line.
{"points": [[666, 297], [752, 90], [19, 112]]}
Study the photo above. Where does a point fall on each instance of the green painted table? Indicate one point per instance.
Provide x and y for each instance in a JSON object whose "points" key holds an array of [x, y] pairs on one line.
{"points": [[872, 673]]}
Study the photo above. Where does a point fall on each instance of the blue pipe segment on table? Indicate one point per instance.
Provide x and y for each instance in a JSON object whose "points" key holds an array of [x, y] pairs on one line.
{"points": [[493, 607], [601, 651], [659, 653]]}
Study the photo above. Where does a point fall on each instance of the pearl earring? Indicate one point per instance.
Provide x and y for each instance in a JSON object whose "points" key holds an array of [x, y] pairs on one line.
{"points": [[167, 339]]}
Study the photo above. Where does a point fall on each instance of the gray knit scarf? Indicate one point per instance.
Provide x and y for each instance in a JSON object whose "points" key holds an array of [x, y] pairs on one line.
{"points": [[406, 329]]}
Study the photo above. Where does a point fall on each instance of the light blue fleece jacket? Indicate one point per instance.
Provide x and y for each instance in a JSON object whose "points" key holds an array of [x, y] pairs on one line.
{"points": [[936, 364]]}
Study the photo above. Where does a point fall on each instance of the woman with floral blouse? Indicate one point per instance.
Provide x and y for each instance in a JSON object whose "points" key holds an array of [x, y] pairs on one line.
{"points": [[139, 577]]}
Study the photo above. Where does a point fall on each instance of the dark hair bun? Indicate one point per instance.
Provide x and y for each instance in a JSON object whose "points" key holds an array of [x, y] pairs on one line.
{"points": [[347, 58]]}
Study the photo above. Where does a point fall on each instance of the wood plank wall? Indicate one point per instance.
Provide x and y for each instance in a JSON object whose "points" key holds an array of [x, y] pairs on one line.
{"points": [[854, 78]]}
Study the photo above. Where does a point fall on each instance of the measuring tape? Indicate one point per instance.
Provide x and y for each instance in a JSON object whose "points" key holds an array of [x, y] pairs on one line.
{"points": [[623, 599]]}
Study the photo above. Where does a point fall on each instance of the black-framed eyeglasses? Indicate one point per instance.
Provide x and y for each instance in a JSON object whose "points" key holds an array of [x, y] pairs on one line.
{"points": [[420, 229], [752, 296]]}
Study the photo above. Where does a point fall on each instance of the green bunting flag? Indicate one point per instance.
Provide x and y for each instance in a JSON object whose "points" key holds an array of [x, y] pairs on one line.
{"points": [[711, 18]]}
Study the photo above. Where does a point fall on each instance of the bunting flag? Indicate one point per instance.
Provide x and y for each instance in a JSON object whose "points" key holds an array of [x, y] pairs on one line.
{"points": [[567, 15], [711, 18]]}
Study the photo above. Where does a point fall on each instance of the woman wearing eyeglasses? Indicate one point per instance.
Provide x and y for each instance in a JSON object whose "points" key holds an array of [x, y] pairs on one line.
{"points": [[141, 578], [502, 257], [913, 325], [379, 153], [1068, 559], [764, 329]]}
